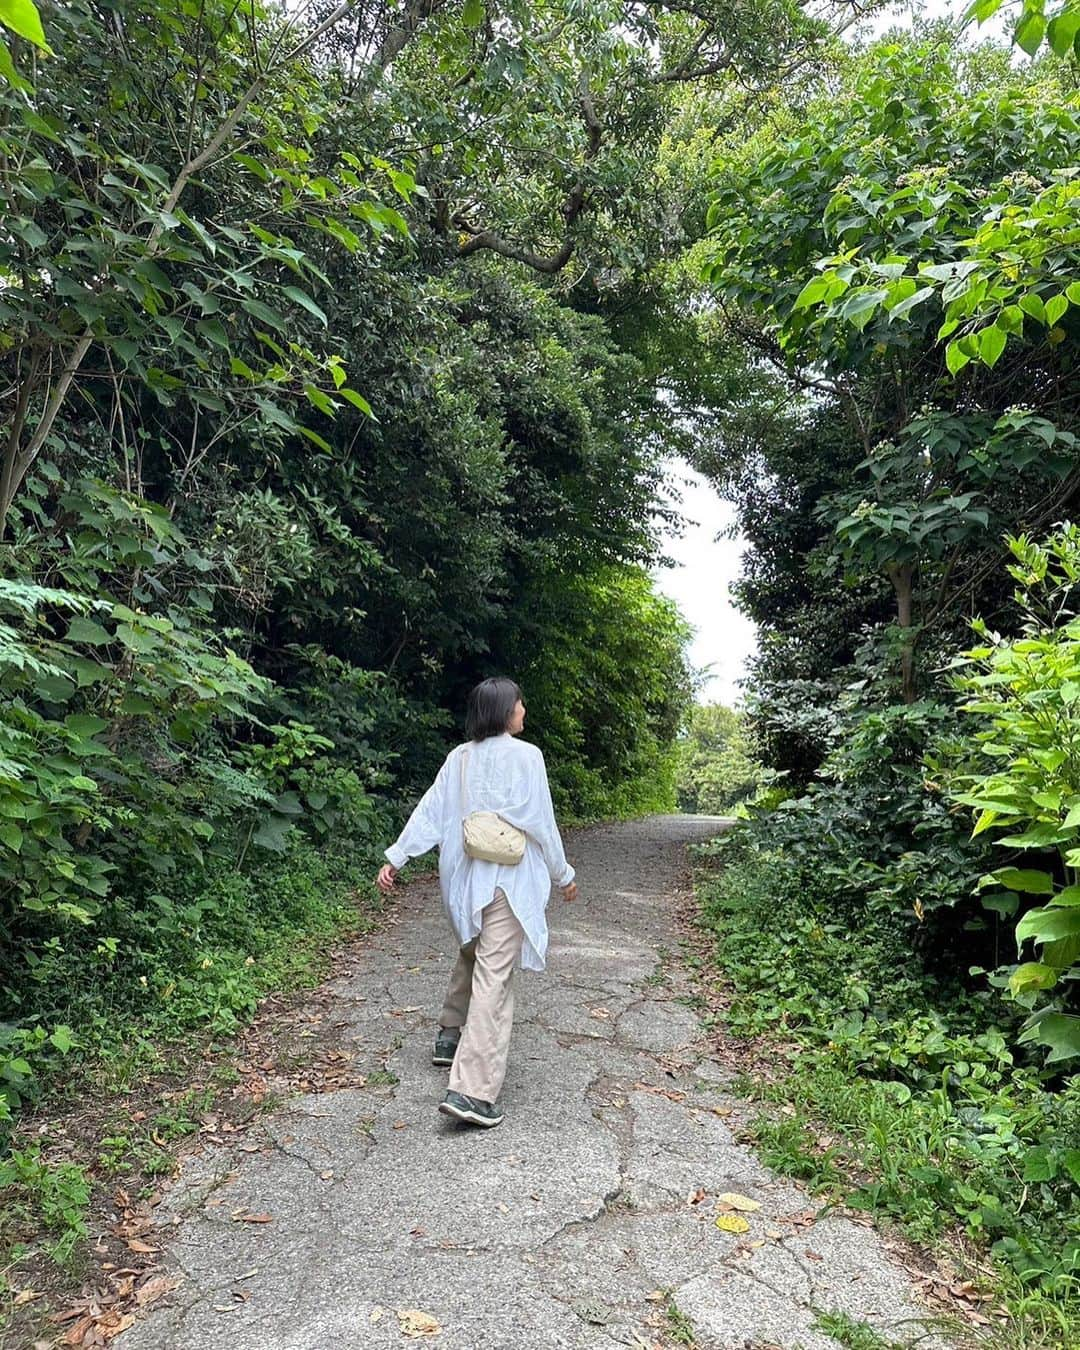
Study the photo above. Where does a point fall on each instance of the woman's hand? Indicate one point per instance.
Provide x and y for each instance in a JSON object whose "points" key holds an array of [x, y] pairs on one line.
{"points": [[385, 879], [569, 891]]}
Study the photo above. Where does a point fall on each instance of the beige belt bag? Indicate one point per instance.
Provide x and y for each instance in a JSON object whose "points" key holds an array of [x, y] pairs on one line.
{"points": [[488, 836]]}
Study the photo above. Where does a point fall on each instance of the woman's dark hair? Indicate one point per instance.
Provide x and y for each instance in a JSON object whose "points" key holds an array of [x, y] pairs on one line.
{"points": [[490, 706]]}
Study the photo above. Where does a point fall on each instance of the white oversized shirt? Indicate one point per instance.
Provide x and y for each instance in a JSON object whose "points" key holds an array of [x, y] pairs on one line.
{"points": [[508, 776]]}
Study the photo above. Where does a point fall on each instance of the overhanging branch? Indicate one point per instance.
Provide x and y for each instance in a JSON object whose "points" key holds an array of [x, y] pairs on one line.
{"points": [[573, 205]]}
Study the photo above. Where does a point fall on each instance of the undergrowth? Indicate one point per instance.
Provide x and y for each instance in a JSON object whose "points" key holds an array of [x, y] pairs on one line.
{"points": [[905, 1095], [229, 940]]}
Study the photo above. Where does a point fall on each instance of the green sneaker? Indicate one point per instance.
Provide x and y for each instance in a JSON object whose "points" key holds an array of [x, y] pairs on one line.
{"points": [[470, 1109], [446, 1044]]}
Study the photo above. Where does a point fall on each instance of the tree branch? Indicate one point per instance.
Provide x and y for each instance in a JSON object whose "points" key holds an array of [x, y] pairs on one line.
{"points": [[573, 206]]}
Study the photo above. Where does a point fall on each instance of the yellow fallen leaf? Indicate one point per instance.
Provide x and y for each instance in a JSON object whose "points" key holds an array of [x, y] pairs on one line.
{"points": [[415, 1324], [737, 1201], [732, 1223]]}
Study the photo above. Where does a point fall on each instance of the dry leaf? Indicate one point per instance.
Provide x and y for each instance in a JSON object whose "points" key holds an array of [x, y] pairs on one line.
{"points": [[655, 1296], [75, 1333], [114, 1325], [732, 1223], [153, 1289], [814, 1256], [737, 1201], [400, 1124], [254, 1218], [696, 1197], [415, 1324], [136, 1246], [327, 1176], [25, 1296]]}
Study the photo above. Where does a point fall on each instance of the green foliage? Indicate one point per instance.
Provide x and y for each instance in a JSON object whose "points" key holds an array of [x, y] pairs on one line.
{"points": [[114, 258], [843, 242], [606, 691], [56, 1194], [907, 1098], [716, 768], [1060, 29], [1027, 747], [853, 1334]]}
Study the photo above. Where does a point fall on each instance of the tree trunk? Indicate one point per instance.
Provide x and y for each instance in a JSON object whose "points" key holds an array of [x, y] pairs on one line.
{"points": [[902, 576]]}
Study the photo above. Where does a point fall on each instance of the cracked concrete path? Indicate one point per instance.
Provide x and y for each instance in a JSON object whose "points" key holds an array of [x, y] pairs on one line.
{"points": [[552, 1230]]}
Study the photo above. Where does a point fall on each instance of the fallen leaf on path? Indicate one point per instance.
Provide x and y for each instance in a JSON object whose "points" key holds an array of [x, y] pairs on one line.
{"points": [[254, 1218], [732, 1223], [415, 1324], [25, 1296], [655, 1296], [723, 1110], [74, 1334], [134, 1245], [326, 1176], [670, 1093], [154, 1289], [696, 1197], [737, 1201], [814, 1256], [602, 1013], [400, 1124], [112, 1324]]}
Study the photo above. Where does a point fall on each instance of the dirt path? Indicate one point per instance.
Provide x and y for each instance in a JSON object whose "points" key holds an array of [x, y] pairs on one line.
{"points": [[347, 1218]]}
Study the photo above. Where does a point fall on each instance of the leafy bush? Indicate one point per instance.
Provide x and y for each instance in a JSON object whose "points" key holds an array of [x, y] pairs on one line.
{"points": [[1025, 691], [716, 768], [35, 1192], [928, 1113]]}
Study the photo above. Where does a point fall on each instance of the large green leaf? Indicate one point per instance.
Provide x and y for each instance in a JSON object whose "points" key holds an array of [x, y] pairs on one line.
{"points": [[21, 17]]}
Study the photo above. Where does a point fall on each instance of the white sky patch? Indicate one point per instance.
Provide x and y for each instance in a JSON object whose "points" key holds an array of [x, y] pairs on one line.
{"points": [[700, 584]]}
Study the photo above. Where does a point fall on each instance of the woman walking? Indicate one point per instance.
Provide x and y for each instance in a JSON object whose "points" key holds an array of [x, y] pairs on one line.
{"points": [[489, 812]]}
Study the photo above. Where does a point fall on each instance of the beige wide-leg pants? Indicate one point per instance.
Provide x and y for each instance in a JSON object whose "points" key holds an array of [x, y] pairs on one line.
{"points": [[481, 1000]]}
